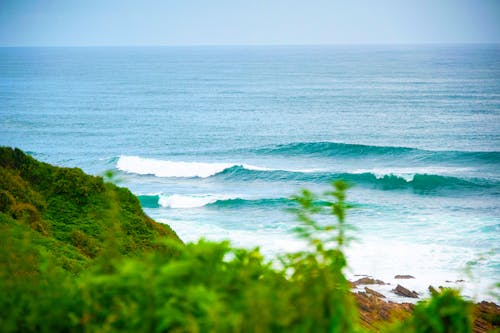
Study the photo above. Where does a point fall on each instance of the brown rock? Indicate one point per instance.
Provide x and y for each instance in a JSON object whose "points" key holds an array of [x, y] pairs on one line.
{"points": [[374, 293], [404, 277], [486, 317], [367, 280], [402, 291], [375, 312]]}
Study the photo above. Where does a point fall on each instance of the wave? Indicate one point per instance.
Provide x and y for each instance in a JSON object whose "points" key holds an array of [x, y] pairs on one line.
{"points": [[420, 183], [418, 178], [239, 202], [335, 149], [175, 169], [175, 200], [416, 181], [208, 200]]}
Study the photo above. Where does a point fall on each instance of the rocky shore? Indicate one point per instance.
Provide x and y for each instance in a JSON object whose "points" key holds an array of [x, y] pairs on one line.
{"points": [[376, 310]]}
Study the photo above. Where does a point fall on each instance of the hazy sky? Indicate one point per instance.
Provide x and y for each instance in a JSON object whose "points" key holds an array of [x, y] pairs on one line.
{"points": [[193, 22]]}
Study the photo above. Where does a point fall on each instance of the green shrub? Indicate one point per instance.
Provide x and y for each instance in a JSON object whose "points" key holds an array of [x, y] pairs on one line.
{"points": [[6, 201], [30, 215], [76, 209], [445, 312]]}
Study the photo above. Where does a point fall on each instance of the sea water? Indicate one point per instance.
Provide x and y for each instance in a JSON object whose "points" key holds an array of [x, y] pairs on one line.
{"points": [[215, 140]]}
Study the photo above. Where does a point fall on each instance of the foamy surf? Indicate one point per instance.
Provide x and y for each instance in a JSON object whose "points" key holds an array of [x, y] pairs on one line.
{"points": [[430, 264], [180, 169], [220, 201], [190, 201], [175, 169]]}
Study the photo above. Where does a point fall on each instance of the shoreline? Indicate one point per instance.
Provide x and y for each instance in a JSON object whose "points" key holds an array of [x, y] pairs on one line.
{"points": [[415, 292], [368, 257], [381, 306]]}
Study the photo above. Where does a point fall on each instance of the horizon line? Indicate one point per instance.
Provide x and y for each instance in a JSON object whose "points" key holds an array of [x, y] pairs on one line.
{"points": [[253, 44]]}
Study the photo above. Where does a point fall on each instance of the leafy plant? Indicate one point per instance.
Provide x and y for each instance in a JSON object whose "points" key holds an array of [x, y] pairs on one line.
{"points": [[445, 312]]}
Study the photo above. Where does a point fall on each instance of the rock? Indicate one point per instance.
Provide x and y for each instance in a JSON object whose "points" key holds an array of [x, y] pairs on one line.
{"points": [[374, 293], [404, 277], [402, 291], [486, 317], [374, 310], [367, 280]]}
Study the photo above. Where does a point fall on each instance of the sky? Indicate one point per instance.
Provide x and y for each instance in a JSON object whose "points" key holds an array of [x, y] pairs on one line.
{"points": [[246, 22]]}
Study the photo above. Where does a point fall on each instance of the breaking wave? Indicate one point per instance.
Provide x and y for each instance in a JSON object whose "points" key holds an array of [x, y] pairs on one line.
{"points": [[196, 201], [174, 169]]}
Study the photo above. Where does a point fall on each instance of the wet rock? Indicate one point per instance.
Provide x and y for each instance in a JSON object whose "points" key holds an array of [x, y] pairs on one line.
{"points": [[433, 290], [374, 310], [374, 293], [367, 280], [487, 317], [402, 291], [404, 277]]}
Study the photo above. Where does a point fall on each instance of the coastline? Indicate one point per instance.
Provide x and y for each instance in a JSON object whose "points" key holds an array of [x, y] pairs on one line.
{"points": [[380, 303], [401, 289], [376, 311], [474, 291], [367, 257]]}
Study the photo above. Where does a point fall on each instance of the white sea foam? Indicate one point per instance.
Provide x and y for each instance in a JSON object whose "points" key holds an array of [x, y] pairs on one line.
{"points": [[179, 169], [271, 241], [163, 168], [190, 201], [430, 264]]}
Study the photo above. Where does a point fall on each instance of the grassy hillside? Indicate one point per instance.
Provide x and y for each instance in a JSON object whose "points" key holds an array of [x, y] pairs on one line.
{"points": [[70, 215]]}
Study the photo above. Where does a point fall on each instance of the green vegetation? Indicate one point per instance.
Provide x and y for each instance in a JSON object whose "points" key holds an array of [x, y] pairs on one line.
{"points": [[79, 255], [69, 214]]}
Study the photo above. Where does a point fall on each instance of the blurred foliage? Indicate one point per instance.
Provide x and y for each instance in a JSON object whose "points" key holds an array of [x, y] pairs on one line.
{"points": [[79, 255], [445, 312]]}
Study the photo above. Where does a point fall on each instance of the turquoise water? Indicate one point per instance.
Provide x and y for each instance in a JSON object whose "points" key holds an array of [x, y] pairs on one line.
{"points": [[214, 140]]}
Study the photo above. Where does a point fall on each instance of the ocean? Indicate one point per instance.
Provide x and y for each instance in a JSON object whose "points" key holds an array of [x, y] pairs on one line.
{"points": [[215, 140]]}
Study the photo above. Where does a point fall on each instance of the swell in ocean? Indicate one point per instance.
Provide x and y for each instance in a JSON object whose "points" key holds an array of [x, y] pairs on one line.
{"points": [[335, 149], [427, 178], [415, 181]]}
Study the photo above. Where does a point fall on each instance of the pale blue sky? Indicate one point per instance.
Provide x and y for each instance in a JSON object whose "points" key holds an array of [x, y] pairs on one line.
{"points": [[229, 22]]}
